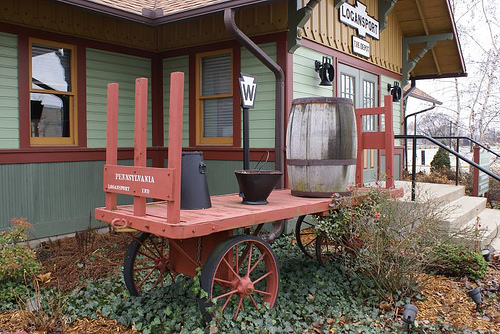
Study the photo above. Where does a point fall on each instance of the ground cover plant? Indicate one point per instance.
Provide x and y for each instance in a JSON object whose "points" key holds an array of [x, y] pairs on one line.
{"points": [[312, 299]]}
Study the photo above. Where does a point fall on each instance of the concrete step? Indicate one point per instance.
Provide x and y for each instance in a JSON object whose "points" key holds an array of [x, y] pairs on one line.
{"points": [[489, 228], [444, 193], [462, 210]]}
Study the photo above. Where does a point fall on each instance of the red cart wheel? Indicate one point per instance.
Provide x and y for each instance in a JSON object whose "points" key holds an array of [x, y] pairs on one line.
{"points": [[146, 264], [240, 272], [305, 234]]}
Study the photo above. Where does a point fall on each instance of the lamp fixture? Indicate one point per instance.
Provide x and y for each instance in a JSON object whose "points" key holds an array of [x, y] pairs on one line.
{"points": [[409, 315], [475, 295], [395, 90], [325, 70]]}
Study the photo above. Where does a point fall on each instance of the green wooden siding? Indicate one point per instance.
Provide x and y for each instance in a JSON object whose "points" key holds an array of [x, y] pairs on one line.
{"points": [[396, 106], [57, 198], [220, 175], [107, 67], [305, 78], [262, 116], [177, 64], [9, 105]]}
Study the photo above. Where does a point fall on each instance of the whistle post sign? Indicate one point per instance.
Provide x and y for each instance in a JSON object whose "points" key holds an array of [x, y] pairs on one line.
{"points": [[248, 88]]}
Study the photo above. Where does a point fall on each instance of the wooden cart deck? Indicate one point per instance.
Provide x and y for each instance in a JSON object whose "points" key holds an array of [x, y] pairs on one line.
{"points": [[227, 212]]}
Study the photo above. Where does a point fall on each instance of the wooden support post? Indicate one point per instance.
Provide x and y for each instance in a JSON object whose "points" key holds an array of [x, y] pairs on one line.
{"points": [[475, 172], [389, 143], [112, 137], [140, 135], [175, 143], [359, 156]]}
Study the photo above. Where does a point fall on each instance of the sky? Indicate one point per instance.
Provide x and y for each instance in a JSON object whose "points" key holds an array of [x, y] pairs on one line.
{"points": [[475, 40]]}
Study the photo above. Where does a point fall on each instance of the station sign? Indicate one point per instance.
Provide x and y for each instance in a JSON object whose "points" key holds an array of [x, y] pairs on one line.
{"points": [[248, 90], [360, 47], [356, 17]]}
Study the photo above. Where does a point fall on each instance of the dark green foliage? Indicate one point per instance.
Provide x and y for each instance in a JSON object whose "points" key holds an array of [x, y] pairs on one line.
{"points": [[441, 160], [458, 261], [16, 261], [9, 292], [312, 299]]}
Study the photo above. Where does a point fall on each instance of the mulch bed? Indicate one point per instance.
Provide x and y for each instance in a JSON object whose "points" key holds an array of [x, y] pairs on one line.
{"points": [[446, 301]]}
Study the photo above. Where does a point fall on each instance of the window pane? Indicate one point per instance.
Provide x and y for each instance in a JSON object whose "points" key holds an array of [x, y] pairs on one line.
{"points": [[216, 75], [49, 115], [370, 122], [51, 68], [347, 86], [218, 117]]}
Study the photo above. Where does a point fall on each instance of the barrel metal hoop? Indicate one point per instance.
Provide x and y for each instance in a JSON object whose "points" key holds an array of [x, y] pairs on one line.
{"points": [[319, 162]]}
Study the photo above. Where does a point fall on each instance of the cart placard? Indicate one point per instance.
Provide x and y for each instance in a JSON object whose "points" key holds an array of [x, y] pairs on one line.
{"points": [[139, 181]]}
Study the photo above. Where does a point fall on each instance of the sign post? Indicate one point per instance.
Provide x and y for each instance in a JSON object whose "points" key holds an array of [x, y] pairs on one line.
{"points": [[248, 89]]}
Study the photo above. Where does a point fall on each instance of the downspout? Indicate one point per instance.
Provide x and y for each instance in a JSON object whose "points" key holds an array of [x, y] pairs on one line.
{"points": [[279, 116]]}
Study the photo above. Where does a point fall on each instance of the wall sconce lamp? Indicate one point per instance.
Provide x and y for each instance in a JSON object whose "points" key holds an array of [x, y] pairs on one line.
{"points": [[409, 315], [325, 70], [395, 91]]}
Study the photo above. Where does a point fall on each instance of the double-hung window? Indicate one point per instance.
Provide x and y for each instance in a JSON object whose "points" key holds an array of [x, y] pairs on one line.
{"points": [[214, 98], [52, 93]]}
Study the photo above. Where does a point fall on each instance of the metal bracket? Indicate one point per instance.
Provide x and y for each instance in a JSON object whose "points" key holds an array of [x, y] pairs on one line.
{"points": [[339, 3], [384, 8], [430, 40], [297, 18]]}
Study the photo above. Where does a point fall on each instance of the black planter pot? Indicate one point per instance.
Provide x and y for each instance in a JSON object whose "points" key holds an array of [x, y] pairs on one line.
{"points": [[256, 185]]}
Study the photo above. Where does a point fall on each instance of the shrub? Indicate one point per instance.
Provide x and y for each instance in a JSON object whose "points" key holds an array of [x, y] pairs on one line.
{"points": [[441, 160], [458, 261], [394, 239], [16, 260]]}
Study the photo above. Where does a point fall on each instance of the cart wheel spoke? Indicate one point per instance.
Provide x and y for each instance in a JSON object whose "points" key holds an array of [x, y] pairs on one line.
{"points": [[326, 250], [227, 302], [159, 279], [230, 267], [240, 305], [249, 259], [263, 292], [145, 278], [259, 285], [256, 263], [146, 264], [262, 277], [230, 293], [222, 281], [254, 303], [144, 268]]}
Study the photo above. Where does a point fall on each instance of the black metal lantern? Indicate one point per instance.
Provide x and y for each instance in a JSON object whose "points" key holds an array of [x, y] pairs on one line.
{"points": [[395, 90], [325, 70]]}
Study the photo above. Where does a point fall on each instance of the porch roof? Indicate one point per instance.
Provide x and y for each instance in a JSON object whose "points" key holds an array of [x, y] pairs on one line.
{"points": [[417, 18], [422, 18], [157, 12]]}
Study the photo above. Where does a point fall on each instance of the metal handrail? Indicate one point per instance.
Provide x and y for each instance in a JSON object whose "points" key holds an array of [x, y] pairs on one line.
{"points": [[471, 140], [456, 154]]}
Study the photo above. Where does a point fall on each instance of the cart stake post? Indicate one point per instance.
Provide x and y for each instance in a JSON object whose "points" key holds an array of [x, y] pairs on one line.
{"points": [[381, 140], [141, 108], [175, 144], [112, 137]]}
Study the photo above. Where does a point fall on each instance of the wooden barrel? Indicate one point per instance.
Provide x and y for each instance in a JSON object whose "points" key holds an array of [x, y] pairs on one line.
{"points": [[321, 146]]}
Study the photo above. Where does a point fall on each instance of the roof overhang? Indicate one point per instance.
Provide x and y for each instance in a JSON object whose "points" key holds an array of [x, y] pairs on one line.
{"points": [[135, 14], [421, 20]]}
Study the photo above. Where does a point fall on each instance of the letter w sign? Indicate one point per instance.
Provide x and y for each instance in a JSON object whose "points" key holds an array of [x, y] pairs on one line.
{"points": [[248, 88]]}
